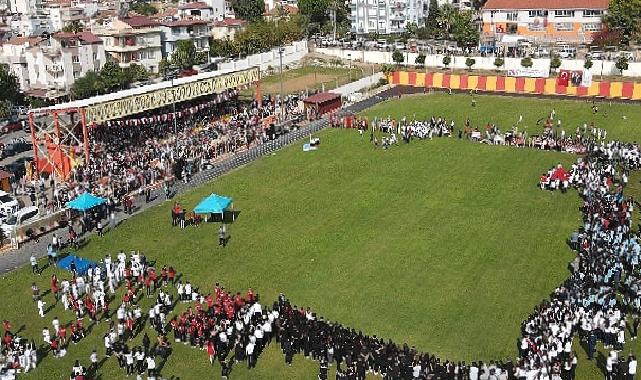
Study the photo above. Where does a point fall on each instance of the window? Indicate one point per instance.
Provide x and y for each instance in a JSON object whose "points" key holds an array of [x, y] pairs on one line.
{"points": [[75, 59], [538, 13], [95, 56], [512, 16], [564, 27], [512, 28], [564, 13], [76, 74], [593, 13], [536, 27], [592, 27]]}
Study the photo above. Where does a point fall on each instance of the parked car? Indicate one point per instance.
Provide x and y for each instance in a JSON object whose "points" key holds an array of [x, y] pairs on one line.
{"points": [[15, 147], [8, 204], [11, 127], [21, 217]]}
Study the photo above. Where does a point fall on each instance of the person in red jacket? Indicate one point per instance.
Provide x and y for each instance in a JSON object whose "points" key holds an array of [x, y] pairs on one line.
{"points": [[211, 352]]}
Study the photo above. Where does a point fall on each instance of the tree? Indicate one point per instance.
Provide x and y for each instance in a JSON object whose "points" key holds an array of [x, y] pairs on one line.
{"points": [[464, 30], [112, 76], [498, 62], [73, 27], [588, 63], [412, 29], [135, 73], [316, 11], [420, 59], [555, 62], [398, 57], [527, 62], [623, 16], [250, 10], [163, 67], [431, 23], [10, 86], [387, 70], [144, 8], [469, 62], [5, 109], [184, 55], [89, 85], [446, 19], [622, 63], [447, 60]]}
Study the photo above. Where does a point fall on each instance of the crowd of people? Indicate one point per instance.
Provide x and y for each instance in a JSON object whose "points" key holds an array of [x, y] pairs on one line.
{"points": [[600, 301]]}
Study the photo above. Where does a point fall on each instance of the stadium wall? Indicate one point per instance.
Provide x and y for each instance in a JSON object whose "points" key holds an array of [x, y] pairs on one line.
{"points": [[516, 85]]}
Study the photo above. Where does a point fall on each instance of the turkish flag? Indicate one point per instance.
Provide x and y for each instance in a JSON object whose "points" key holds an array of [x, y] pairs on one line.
{"points": [[564, 78]]}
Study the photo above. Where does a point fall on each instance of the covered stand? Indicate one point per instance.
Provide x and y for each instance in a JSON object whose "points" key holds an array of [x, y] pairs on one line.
{"points": [[214, 204], [85, 202]]}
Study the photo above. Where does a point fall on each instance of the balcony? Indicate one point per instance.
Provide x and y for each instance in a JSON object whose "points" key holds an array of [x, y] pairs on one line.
{"points": [[397, 17]]}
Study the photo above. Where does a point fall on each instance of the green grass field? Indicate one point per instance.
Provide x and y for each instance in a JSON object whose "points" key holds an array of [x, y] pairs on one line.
{"points": [[445, 244]]}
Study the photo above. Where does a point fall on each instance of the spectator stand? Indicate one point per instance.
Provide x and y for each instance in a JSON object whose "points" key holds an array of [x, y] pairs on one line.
{"points": [[61, 134]]}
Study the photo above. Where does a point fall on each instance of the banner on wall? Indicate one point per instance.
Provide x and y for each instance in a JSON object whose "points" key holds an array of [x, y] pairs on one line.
{"points": [[564, 78], [586, 81], [530, 73]]}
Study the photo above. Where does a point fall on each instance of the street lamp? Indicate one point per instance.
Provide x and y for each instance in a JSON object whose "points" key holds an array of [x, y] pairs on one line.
{"points": [[280, 53], [174, 105]]}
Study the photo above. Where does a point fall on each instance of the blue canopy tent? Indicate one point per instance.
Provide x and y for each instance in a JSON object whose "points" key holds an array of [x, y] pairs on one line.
{"points": [[82, 265], [214, 204], [85, 202]]}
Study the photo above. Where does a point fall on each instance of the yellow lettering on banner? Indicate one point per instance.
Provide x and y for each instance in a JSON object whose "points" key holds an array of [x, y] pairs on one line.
{"points": [[138, 103]]}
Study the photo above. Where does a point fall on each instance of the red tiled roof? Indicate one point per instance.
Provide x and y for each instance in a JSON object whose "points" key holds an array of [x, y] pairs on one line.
{"points": [[288, 9], [546, 4], [321, 98], [87, 37], [196, 5], [230, 22], [23, 40], [139, 21], [178, 23]]}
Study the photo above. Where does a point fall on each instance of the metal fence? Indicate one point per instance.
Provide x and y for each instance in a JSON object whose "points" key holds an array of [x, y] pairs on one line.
{"points": [[255, 152]]}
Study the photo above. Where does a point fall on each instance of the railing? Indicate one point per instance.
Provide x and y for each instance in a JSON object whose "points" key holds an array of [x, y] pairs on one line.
{"points": [[255, 152]]}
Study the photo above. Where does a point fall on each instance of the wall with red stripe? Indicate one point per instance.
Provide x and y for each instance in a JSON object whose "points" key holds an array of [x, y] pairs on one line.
{"points": [[516, 85]]}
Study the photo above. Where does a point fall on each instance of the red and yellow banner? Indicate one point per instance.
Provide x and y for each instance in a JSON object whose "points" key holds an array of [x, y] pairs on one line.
{"points": [[516, 85]]}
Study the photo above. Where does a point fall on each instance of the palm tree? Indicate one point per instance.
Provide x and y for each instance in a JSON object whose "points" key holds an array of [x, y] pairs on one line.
{"points": [[446, 17]]}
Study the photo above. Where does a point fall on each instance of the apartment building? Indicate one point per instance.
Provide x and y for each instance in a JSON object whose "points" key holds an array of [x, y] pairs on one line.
{"points": [[49, 67], [385, 16], [132, 39], [227, 28], [174, 31], [544, 20], [198, 10]]}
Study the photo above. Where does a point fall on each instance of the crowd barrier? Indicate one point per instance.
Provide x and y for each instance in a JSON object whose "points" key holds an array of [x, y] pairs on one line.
{"points": [[517, 85]]}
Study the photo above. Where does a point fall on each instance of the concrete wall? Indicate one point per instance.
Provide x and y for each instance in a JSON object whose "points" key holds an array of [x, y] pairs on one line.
{"points": [[292, 53], [360, 84], [599, 67]]}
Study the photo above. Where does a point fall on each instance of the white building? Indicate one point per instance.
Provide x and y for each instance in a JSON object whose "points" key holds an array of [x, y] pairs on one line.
{"points": [[132, 39], [194, 30], [198, 11], [49, 67], [544, 21], [61, 15], [386, 17]]}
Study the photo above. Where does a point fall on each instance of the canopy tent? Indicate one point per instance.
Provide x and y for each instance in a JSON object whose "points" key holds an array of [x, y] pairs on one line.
{"points": [[82, 265], [85, 202], [213, 204]]}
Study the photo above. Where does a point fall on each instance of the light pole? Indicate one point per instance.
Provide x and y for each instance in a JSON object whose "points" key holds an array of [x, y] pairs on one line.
{"points": [[174, 105], [280, 54]]}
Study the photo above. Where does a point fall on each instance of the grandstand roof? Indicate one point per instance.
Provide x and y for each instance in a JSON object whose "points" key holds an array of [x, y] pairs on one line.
{"points": [[132, 91]]}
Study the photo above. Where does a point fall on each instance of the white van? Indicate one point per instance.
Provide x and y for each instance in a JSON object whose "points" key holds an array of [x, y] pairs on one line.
{"points": [[19, 218], [8, 204]]}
